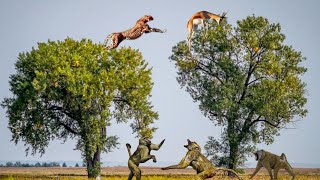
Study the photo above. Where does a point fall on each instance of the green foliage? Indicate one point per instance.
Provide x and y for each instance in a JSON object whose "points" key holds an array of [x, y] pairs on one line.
{"points": [[73, 89], [246, 80], [94, 171]]}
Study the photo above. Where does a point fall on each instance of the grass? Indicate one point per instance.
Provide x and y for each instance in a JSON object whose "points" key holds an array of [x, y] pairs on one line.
{"points": [[120, 173], [150, 177]]}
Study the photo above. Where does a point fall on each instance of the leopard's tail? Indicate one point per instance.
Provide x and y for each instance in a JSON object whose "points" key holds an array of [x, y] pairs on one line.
{"points": [[107, 39], [229, 170]]}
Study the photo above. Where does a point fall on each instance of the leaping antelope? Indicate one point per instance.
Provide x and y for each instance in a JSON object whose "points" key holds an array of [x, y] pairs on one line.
{"points": [[200, 18]]}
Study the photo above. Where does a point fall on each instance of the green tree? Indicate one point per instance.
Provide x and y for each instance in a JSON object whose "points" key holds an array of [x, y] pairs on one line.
{"points": [[64, 164], [9, 164], [37, 164], [17, 164], [45, 164], [73, 89], [246, 80], [77, 165]]}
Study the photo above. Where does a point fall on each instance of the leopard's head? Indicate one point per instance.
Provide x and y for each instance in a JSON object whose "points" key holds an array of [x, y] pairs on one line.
{"points": [[146, 18]]}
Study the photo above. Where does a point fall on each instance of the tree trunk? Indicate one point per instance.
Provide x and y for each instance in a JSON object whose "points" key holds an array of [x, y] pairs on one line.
{"points": [[93, 165], [233, 155], [233, 144]]}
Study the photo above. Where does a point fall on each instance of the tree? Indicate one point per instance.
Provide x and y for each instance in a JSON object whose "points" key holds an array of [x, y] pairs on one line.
{"points": [[73, 89], [9, 164], [77, 165], [17, 164], [53, 164], [37, 164], [64, 164], [45, 164], [246, 80]]}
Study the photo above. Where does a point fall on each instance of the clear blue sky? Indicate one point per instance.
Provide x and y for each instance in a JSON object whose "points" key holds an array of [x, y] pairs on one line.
{"points": [[24, 23]]}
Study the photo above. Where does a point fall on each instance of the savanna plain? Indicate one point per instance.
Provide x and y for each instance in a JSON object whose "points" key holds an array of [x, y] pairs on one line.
{"points": [[148, 173]]}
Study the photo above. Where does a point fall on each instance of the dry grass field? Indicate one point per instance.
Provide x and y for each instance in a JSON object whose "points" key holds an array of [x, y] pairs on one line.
{"points": [[149, 173]]}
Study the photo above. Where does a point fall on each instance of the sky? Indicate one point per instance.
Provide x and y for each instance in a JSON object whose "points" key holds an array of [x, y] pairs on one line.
{"points": [[24, 23]]}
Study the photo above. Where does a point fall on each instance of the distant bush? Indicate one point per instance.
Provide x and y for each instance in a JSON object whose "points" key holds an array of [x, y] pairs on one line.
{"points": [[64, 165], [19, 164], [9, 164]]}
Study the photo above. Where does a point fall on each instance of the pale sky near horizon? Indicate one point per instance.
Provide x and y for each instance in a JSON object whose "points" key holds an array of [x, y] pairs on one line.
{"points": [[24, 23]]}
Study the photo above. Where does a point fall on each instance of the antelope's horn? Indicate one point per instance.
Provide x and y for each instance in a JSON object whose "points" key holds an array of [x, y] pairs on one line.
{"points": [[224, 14]]}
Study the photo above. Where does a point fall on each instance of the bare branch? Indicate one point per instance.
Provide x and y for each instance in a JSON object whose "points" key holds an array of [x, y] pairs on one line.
{"points": [[216, 114], [246, 84], [257, 79], [289, 128], [59, 123], [209, 73], [119, 99], [68, 128], [265, 121], [246, 126], [61, 109]]}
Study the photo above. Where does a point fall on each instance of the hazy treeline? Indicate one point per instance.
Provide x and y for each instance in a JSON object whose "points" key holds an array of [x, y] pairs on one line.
{"points": [[38, 164]]}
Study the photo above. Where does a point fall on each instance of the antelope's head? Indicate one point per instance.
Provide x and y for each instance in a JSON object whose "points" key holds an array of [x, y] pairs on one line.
{"points": [[222, 17]]}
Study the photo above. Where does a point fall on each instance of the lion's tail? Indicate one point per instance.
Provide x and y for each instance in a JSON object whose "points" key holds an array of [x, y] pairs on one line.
{"points": [[129, 149], [229, 170]]}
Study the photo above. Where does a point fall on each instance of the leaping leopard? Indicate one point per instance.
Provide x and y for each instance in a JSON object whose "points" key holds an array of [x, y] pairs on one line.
{"points": [[134, 33]]}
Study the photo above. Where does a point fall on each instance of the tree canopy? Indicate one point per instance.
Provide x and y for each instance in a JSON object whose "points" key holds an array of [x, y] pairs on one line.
{"points": [[73, 89], [246, 80]]}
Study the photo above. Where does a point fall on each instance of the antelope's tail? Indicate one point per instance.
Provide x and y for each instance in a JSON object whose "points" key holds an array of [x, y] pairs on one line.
{"points": [[229, 170], [189, 22]]}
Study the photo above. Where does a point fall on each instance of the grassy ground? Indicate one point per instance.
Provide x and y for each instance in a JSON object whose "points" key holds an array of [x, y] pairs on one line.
{"points": [[148, 173], [149, 177]]}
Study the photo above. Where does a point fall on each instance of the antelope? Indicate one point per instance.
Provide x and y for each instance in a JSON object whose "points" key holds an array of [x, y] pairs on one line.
{"points": [[200, 18]]}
